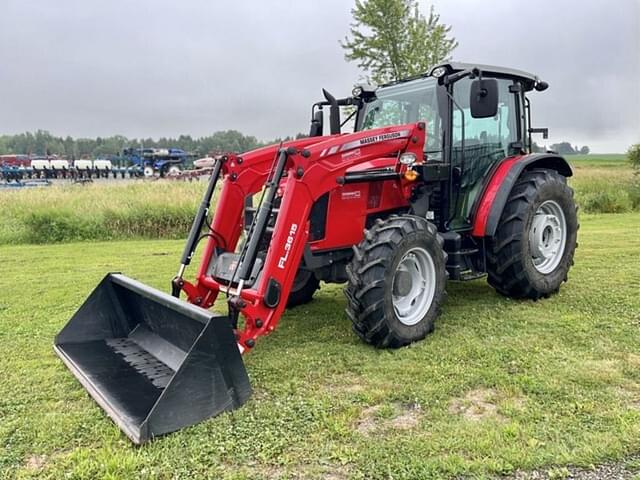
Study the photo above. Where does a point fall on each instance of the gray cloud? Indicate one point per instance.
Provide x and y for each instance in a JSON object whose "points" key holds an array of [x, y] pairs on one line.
{"points": [[160, 68], [588, 51]]}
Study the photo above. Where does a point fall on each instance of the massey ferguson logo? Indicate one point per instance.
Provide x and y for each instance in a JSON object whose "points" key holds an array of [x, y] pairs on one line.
{"points": [[287, 246], [363, 142], [380, 138]]}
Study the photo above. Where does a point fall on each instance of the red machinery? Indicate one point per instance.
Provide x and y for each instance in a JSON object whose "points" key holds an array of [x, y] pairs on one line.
{"points": [[436, 182], [15, 161]]}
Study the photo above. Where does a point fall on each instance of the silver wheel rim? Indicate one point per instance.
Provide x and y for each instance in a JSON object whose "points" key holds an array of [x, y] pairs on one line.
{"points": [[148, 171], [413, 286], [174, 170], [548, 237]]}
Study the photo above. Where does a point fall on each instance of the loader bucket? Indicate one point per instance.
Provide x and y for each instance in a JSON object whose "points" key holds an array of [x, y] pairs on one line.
{"points": [[153, 362]]}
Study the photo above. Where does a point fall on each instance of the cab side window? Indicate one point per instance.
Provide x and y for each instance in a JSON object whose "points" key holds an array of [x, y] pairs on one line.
{"points": [[486, 141]]}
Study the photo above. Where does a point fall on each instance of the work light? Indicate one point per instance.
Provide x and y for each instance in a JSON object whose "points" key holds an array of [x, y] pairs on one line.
{"points": [[408, 158]]}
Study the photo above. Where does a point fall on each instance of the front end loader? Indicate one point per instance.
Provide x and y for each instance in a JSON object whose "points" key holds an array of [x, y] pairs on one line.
{"points": [[436, 182]]}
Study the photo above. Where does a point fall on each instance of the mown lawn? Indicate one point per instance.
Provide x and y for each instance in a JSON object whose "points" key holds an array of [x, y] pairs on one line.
{"points": [[501, 385]]}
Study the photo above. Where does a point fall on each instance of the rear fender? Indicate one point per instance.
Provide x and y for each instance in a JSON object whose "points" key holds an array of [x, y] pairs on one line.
{"points": [[495, 195]]}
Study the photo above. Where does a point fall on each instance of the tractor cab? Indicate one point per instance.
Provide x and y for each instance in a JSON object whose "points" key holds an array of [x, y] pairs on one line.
{"points": [[475, 116]]}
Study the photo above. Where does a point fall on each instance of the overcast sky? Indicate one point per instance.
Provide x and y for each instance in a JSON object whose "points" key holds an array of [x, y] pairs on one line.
{"points": [[161, 68]]}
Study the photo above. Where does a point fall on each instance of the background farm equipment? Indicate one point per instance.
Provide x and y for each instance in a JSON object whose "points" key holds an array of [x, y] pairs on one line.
{"points": [[133, 163], [25, 167], [156, 161], [437, 182]]}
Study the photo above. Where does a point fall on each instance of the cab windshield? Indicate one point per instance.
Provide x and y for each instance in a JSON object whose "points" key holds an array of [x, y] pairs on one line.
{"points": [[403, 103]]}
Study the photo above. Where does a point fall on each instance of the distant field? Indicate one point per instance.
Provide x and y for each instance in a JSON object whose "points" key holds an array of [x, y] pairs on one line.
{"points": [[164, 209], [603, 159]]}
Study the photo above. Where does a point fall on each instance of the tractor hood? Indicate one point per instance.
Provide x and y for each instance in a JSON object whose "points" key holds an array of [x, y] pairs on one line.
{"points": [[394, 138]]}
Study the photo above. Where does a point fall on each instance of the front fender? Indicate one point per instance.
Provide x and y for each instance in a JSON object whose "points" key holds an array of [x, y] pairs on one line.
{"points": [[496, 193]]}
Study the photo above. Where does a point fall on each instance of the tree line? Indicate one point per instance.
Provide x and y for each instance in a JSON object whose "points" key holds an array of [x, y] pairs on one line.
{"points": [[562, 148], [41, 142]]}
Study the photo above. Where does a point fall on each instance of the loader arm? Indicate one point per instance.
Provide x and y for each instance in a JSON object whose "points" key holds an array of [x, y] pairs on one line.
{"points": [[312, 169], [244, 175]]}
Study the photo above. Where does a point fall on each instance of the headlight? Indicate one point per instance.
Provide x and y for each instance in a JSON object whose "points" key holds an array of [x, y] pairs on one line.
{"points": [[408, 158], [438, 72], [357, 91]]}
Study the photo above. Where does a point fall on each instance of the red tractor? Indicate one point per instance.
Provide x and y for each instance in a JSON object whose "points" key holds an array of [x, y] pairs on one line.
{"points": [[436, 182]]}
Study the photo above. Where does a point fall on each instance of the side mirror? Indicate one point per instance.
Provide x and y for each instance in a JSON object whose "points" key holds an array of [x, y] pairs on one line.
{"points": [[483, 98], [316, 124]]}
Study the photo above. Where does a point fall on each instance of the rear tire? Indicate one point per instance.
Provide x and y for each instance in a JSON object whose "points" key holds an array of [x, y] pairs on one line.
{"points": [[532, 250], [396, 282], [304, 286]]}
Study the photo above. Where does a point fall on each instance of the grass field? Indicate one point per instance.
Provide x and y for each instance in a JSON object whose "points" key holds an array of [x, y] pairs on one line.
{"points": [[164, 209], [599, 159], [501, 385], [100, 211], [604, 183]]}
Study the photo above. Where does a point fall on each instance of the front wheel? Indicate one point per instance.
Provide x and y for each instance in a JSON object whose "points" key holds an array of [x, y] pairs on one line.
{"points": [[396, 282], [532, 250], [304, 286]]}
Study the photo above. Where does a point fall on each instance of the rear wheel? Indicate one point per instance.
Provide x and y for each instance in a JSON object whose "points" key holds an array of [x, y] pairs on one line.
{"points": [[396, 282], [304, 286], [532, 250]]}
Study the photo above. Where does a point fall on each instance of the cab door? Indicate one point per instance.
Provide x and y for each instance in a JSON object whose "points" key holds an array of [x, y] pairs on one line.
{"points": [[486, 142]]}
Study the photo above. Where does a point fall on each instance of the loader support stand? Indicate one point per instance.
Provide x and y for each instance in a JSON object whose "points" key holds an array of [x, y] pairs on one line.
{"points": [[196, 228]]}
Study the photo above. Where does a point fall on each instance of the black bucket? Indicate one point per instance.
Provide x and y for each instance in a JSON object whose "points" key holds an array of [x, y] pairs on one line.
{"points": [[153, 362]]}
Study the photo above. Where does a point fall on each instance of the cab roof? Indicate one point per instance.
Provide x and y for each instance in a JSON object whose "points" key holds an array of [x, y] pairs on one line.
{"points": [[527, 79]]}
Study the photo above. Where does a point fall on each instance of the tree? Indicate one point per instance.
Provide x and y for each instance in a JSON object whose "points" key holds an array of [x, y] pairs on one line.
{"points": [[633, 155], [585, 150], [391, 39], [42, 141], [563, 148]]}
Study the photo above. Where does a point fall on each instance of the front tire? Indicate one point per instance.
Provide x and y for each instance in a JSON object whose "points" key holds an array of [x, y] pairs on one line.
{"points": [[532, 250], [304, 286], [396, 282]]}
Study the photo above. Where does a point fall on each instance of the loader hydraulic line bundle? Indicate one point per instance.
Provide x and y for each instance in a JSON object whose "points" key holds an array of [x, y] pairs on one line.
{"points": [[436, 182]]}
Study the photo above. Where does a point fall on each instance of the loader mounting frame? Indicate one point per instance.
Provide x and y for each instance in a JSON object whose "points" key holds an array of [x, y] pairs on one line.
{"points": [[297, 176]]}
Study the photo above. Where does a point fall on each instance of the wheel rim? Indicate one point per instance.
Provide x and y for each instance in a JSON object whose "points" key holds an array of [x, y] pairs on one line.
{"points": [[174, 170], [413, 286], [548, 237], [148, 171]]}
